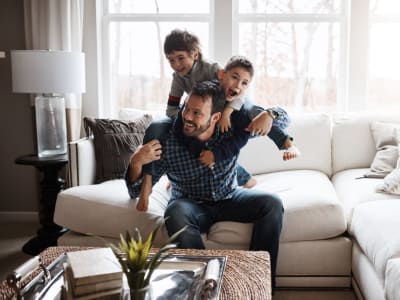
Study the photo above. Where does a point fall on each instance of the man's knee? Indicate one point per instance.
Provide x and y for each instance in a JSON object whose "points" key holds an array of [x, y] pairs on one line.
{"points": [[274, 206], [176, 216]]}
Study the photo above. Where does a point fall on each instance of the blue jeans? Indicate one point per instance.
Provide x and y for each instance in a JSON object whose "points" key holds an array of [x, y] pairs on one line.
{"points": [[263, 209]]}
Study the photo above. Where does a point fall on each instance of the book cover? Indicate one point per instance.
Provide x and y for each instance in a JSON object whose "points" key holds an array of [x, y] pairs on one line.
{"points": [[93, 266]]}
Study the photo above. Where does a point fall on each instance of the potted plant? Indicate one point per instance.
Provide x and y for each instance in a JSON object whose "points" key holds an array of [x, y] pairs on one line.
{"points": [[138, 266]]}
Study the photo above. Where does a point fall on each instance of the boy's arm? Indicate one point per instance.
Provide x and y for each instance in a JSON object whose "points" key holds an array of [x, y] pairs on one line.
{"points": [[230, 107], [175, 95], [238, 137], [225, 121]]}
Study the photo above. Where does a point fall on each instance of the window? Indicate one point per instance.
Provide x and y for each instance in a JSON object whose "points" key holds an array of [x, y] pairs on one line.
{"points": [[295, 46], [384, 59], [136, 69], [309, 55]]}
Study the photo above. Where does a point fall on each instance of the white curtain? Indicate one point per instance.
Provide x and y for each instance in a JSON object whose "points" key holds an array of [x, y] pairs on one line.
{"points": [[57, 25]]}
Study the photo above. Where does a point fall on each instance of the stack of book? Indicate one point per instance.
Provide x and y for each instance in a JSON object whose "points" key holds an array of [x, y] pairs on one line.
{"points": [[92, 274]]}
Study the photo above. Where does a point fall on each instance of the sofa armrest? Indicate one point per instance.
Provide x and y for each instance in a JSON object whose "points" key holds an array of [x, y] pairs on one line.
{"points": [[82, 162]]}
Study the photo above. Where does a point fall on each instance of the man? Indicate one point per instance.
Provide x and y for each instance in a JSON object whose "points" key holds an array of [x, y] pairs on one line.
{"points": [[200, 195]]}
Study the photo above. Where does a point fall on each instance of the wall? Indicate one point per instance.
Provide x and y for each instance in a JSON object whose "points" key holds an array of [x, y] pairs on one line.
{"points": [[18, 184]]}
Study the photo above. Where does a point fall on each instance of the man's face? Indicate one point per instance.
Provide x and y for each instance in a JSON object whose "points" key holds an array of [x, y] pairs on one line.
{"points": [[197, 118], [182, 61], [235, 82]]}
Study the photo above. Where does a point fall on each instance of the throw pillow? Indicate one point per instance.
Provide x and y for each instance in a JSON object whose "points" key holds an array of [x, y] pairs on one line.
{"points": [[114, 142], [391, 183], [385, 137]]}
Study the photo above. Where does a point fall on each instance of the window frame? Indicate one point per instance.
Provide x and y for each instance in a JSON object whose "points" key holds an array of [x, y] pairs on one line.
{"points": [[354, 18], [108, 18]]}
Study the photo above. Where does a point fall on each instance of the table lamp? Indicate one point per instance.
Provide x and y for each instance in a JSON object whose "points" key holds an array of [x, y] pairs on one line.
{"points": [[49, 75]]}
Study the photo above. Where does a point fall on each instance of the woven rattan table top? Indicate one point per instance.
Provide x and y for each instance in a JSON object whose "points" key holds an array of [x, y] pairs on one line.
{"points": [[247, 273]]}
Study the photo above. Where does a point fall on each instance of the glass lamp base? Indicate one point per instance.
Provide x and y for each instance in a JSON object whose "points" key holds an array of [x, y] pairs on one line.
{"points": [[50, 125]]}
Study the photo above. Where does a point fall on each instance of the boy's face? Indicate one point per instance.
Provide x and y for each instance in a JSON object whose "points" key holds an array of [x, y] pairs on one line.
{"points": [[235, 82], [182, 61]]}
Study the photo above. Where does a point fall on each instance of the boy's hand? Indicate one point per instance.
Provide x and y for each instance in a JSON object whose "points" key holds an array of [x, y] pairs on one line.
{"points": [[261, 125], [225, 121], [207, 158], [224, 124]]}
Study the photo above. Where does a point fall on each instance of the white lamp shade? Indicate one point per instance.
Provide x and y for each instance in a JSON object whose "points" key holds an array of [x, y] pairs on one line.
{"points": [[42, 71]]}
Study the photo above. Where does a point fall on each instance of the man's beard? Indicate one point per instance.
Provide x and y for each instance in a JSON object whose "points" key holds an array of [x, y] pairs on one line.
{"points": [[196, 130]]}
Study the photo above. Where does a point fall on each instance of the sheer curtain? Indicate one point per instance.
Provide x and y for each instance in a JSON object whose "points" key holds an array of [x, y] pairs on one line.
{"points": [[57, 25]]}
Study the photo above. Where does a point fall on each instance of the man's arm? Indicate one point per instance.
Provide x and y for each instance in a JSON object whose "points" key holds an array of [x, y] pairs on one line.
{"points": [[145, 154]]}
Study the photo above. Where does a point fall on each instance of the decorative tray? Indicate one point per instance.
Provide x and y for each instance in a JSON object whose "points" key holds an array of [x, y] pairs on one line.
{"points": [[179, 277]]}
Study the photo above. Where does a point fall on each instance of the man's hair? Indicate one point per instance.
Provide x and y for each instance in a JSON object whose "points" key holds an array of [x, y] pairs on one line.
{"points": [[181, 40], [240, 61], [213, 90]]}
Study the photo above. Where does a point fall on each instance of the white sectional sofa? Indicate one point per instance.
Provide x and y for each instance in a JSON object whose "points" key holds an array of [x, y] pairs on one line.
{"points": [[338, 232]]}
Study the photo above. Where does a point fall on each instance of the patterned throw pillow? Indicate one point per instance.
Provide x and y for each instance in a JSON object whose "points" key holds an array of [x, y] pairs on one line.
{"points": [[114, 142]]}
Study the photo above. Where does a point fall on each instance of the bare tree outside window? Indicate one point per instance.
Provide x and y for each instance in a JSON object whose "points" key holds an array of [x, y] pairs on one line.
{"points": [[296, 62], [384, 58], [140, 76]]}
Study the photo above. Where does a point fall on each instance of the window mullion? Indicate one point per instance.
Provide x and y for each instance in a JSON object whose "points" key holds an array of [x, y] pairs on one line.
{"points": [[358, 55], [222, 30]]}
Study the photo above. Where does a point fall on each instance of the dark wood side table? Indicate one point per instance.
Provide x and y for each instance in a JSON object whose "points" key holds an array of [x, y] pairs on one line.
{"points": [[50, 185]]}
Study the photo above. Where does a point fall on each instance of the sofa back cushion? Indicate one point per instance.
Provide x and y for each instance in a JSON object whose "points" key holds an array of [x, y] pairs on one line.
{"points": [[312, 135], [353, 144]]}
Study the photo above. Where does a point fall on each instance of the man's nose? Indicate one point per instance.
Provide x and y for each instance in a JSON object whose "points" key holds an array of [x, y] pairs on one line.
{"points": [[188, 117]]}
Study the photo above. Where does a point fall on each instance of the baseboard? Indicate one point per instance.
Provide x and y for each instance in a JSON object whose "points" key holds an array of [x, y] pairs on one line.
{"points": [[19, 216]]}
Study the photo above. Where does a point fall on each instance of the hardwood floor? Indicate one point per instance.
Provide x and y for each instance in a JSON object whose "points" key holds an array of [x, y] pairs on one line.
{"points": [[13, 235]]}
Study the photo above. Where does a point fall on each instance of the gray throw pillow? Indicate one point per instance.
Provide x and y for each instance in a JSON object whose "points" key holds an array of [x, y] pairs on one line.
{"points": [[114, 142], [385, 137]]}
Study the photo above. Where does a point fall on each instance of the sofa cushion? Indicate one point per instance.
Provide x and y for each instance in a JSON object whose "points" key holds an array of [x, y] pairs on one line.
{"points": [[353, 189], [312, 157], [378, 234], [114, 142], [312, 209], [385, 137], [391, 182], [392, 279], [353, 146], [106, 209]]}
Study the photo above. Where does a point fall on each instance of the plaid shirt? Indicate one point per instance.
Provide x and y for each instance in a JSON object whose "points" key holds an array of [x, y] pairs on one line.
{"points": [[188, 177]]}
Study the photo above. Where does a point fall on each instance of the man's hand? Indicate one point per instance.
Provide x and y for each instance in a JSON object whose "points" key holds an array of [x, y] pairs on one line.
{"points": [[147, 153], [261, 125], [143, 155], [207, 158]]}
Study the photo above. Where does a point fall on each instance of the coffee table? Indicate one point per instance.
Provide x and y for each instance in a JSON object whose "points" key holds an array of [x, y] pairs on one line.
{"points": [[247, 273]]}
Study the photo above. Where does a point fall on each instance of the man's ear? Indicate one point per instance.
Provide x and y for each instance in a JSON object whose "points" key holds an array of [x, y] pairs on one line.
{"points": [[220, 74], [216, 117]]}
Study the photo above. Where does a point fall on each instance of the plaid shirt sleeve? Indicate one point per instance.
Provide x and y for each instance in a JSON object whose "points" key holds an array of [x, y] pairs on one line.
{"points": [[134, 187]]}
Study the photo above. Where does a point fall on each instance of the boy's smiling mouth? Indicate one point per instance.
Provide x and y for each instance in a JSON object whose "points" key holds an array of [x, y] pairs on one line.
{"points": [[231, 93]]}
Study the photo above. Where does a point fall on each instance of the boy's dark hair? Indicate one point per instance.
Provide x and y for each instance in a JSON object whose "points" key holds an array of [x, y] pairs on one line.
{"points": [[240, 61], [212, 89], [181, 40]]}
